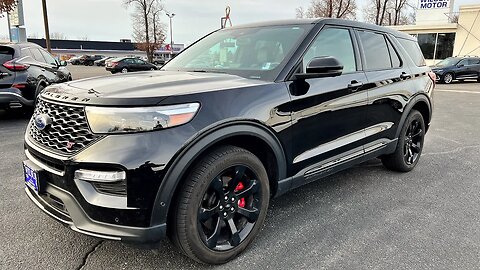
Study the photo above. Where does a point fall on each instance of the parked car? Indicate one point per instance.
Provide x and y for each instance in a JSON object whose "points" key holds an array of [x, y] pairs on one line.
{"points": [[195, 151], [128, 64], [78, 60], [101, 62], [25, 70], [458, 68], [89, 60], [158, 59]]}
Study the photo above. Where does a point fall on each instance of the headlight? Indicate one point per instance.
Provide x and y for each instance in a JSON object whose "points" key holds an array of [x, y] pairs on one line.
{"points": [[121, 120]]}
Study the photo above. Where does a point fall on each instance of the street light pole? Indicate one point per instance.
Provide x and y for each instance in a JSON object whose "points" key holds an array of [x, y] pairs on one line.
{"points": [[45, 22], [170, 15]]}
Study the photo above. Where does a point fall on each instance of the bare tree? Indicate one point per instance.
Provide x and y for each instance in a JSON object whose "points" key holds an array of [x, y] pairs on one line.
{"points": [[300, 12], [145, 24], [388, 12], [345, 9], [58, 36], [7, 5]]}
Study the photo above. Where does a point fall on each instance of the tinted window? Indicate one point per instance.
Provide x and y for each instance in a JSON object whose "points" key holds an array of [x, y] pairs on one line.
{"points": [[463, 62], [128, 61], [427, 44], [334, 42], [50, 60], [445, 43], [37, 55], [394, 56], [413, 51], [6, 54], [375, 50], [474, 61], [139, 61]]}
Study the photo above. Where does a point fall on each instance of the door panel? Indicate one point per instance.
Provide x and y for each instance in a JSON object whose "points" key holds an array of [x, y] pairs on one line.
{"points": [[328, 114], [328, 120], [390, 84]]}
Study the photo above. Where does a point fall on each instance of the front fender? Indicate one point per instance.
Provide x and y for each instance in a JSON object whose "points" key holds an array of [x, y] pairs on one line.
{"points": [[182, 162]]}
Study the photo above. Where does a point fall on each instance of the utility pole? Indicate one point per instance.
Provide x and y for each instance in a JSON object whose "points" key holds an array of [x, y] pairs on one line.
{"points": [[45, 22], [170, 15]]}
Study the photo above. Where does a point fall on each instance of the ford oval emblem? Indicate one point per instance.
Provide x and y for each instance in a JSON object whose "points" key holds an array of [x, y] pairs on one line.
{"points": [[42, 121]]}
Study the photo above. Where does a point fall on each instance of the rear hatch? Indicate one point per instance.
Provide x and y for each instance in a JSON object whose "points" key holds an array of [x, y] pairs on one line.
{"points": [[7, 77]]}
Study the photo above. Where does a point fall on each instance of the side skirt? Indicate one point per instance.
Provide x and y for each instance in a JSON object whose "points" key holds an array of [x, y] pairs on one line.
{"points": [[338, 163]]}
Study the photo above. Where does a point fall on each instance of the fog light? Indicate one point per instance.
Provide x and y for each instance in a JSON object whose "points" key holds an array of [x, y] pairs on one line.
{"points": [[99, 176]]}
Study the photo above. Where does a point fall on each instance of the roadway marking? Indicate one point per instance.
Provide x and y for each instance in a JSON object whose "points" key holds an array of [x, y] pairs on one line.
{"points": [[457, 91]]}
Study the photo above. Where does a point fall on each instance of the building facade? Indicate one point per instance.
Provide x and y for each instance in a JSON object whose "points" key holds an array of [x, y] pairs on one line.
{"points": [[442, 33]]}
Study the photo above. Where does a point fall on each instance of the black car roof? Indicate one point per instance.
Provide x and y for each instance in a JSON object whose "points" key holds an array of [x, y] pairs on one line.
{"points": [[343, 22], [20, 45]]}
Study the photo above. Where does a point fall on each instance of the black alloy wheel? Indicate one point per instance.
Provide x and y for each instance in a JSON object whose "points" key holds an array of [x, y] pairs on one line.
{"points": [[413, 142], [221, 206], [409, 145], [229, 208]]}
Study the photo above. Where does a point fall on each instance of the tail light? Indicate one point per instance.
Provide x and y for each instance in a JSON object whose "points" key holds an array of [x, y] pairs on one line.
{"points": [[432, 76], [13, 66], [113, 64]]}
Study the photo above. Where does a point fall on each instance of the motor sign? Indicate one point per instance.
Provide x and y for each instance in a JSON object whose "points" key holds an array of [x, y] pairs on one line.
{"points": [[433, 4]]}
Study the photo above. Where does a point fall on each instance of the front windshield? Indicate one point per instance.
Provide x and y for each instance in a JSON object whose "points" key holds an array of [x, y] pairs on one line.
{"points": [[255, 53], [447, 62]]}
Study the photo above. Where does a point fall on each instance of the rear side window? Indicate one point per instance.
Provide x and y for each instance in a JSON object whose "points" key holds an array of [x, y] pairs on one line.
{"points": [[6, 54], [413, 50], [396, 62], [375, 49]]}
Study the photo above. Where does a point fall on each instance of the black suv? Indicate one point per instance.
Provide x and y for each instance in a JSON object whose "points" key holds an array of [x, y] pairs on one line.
{"points": [[89, 60], [458, 68], [128, 64], [196, 151], [25, 70]]}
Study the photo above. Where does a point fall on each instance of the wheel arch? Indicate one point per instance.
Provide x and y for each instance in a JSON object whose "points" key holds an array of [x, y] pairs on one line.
{"points": [[420, 103], [250, 135]]}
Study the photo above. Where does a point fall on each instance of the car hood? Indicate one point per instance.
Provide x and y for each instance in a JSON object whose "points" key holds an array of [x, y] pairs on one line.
{"points": [[143, 88]]}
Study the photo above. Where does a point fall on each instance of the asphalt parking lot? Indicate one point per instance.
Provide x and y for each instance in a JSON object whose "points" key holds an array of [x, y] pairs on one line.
{"points": [[363, 218]]}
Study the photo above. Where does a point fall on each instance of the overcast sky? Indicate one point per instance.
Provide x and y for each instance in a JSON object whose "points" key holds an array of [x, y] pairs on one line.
{"points": [[111, 20]]}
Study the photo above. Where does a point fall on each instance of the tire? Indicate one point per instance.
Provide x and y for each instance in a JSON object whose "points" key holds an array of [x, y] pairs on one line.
{"points": [[37, 92], [152, 69], [70, 78], [409, 146], [124, 70], [188, 227], [447, 78]]}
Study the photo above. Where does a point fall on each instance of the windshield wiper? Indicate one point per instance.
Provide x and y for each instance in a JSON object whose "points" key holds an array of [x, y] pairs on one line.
{"points": [[206, 71]]}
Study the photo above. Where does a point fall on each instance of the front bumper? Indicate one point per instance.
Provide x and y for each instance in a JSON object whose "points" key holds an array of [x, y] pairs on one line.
{"points": [[79, 221], [61, 198]]}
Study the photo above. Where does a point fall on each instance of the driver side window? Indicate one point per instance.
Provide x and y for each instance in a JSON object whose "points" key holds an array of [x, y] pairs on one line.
{"points": [[334, 42]]}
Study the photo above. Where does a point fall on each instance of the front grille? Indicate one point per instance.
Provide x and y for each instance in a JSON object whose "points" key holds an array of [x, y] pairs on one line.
{"points": [[68, 132]]}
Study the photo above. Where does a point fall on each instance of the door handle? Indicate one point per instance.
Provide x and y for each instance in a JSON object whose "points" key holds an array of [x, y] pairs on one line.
{"points": [[405, 75], [354, 85], [43, 69]]}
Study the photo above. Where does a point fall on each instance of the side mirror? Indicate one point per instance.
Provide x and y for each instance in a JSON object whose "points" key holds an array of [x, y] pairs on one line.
{"points": [[321, 67], [63, 63]]}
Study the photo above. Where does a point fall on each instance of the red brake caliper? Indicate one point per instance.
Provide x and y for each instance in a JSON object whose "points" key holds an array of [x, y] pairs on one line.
{"points": [[241, 202]]}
